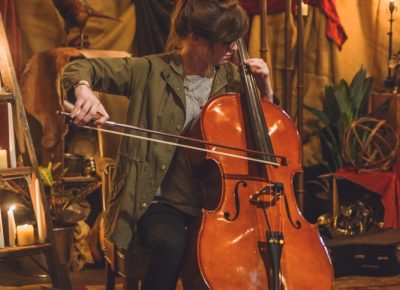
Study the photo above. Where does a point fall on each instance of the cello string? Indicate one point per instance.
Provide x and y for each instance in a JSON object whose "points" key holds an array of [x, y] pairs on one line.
{"points": [[260, 130], [281, 225]]}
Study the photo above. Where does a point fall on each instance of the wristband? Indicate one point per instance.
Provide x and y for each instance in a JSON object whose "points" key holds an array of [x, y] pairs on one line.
{"points": [[82, 83]]}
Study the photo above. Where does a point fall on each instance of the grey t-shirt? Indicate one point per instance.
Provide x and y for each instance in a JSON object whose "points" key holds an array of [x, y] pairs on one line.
{"points": [[197, 91], [178, 188]]}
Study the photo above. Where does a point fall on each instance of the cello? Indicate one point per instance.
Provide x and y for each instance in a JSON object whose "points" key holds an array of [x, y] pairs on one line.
{"points": [[251, 234]]}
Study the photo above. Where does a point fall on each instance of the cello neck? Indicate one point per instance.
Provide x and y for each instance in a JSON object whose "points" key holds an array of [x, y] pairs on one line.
{"points": [[255, 116]]}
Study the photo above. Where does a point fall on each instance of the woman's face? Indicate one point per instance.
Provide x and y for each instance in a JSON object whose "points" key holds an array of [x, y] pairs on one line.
{"points": [[221, 52], [201, 50]]}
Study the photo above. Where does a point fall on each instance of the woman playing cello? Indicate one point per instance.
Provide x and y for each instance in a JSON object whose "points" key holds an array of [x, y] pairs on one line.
{"points": [[155, 197]]}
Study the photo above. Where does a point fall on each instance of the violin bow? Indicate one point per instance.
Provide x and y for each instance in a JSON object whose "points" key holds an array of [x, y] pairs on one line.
{"points": [[183, 138]]}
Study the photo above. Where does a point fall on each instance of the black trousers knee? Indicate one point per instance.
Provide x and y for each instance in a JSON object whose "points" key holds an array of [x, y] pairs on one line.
{"points": [[163, 229]]}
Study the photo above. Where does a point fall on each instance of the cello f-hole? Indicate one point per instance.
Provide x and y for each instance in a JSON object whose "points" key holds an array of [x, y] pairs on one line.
{"points": [[227, 215]]}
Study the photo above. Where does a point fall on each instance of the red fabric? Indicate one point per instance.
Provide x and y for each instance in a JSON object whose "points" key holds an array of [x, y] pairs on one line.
{"points": [[11, 25], [251, 6], [334, 29], [386, 184], [273, 6]]}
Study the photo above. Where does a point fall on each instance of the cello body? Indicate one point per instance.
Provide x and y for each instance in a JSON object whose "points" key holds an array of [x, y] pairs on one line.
{"points": [[228, 244]]}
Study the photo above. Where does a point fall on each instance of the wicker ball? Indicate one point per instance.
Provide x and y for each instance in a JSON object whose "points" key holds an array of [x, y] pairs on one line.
{"points": [[370, 145]]}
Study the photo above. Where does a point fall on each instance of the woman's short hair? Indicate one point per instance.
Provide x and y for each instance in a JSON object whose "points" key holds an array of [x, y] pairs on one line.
{"points": [[213, 20]]}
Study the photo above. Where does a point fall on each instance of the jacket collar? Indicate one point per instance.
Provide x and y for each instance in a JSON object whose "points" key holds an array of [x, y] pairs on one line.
{"points": [[173, 75], [220, 80]]}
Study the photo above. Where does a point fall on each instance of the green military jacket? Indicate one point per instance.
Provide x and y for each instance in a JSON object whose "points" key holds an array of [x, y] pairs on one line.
{"points": [[157, 101]]}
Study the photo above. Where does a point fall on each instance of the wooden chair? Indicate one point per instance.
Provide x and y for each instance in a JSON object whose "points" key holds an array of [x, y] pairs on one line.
{"points": [[130, 265]]}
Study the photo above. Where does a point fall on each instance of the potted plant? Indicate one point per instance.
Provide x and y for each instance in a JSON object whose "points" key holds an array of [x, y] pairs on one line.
{"points": [[67, 206], [342, 105]]}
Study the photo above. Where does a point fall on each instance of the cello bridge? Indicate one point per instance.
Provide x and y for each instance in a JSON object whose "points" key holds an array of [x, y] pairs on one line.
{"points": [[275, 191]]}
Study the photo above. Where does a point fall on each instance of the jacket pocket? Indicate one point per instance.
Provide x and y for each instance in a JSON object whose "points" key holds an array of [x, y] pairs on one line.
{"points": [[117, 187], [119, 178]]}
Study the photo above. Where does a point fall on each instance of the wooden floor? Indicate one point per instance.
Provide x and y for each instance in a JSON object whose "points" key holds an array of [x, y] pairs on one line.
{"points": [[361, 283], [358, 283], [92, 278], [367, 283]]}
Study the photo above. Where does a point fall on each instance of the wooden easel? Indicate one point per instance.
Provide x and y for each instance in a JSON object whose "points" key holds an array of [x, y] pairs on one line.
{"points": [[58, 272]]}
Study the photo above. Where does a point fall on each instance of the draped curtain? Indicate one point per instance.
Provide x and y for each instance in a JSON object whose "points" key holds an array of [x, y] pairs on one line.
{"points": [[12, 27], [154, 18]]}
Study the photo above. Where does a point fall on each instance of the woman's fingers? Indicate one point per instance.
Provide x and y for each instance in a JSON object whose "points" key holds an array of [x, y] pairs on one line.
{"points": [[87, 109]]}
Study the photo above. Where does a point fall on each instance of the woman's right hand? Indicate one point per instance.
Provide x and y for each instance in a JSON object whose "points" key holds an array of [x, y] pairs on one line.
{"points": [[87, 107]]}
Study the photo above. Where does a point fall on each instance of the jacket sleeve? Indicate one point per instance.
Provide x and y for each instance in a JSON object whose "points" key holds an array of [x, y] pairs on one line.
{"points": [[109, 75]]}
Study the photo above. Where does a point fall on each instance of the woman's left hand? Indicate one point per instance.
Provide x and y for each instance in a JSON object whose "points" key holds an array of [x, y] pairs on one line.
{"points": [[261, 74]]}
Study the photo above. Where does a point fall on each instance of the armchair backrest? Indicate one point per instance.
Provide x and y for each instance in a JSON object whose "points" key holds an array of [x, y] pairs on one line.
{"points": [[117, 107]]}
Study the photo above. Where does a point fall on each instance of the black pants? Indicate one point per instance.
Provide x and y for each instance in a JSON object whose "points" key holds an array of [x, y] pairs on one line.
{"points": [[163, 229]]}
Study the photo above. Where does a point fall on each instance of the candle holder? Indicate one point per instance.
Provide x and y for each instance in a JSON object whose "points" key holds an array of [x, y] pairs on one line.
{"points": [[389, 82]]}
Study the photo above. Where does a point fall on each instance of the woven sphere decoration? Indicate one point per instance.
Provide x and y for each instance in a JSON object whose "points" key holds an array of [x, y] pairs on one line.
{"points": [[370, 145]]}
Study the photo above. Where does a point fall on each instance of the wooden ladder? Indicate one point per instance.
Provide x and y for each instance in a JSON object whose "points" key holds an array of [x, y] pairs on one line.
{"points": [[58, 272]]}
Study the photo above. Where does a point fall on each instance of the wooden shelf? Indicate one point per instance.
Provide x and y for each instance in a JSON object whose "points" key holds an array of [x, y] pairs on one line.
{"points": [[6, 97], [18, 171], [24, 250], [79, 179]]}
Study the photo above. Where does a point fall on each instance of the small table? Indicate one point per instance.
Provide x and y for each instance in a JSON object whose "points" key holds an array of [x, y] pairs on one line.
{"points": [[386, 184]]}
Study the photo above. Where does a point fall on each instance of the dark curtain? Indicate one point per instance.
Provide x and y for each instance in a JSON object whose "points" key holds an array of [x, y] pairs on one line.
{"points": [[13, 31], [153, 24]]}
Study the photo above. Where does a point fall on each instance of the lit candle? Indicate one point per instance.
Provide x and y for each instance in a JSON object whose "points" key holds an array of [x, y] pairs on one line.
{"points": [[1, 82], [304, 9], [11, 226], [1, 232], [39, 213], [391, 1], [11, 137], [25, 235], [3, 159]]}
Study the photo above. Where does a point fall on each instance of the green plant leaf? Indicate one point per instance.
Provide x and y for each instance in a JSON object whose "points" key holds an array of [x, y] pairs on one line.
{"points": [[366, 92], [318, 113], [358, 78], [344, 121], [333, 149], [330, 104], [47, 175], [315, 128], [343, 98], [343, 87], [360, 89], [357, 83]]}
